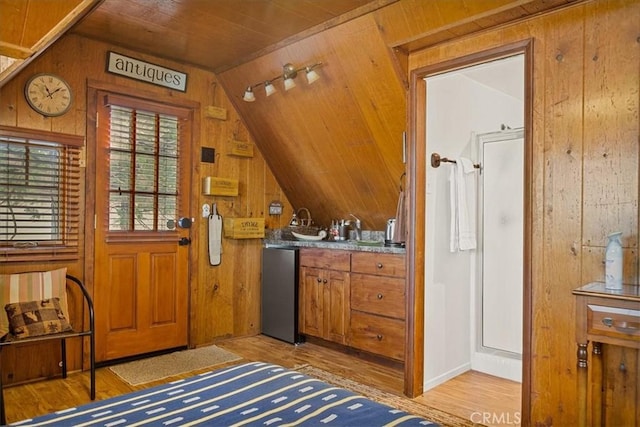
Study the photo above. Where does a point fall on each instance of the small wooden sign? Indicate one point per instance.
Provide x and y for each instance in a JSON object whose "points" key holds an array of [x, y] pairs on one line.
{"points": [[214, 112], [240, 148], [214, 186], [244, 228]]}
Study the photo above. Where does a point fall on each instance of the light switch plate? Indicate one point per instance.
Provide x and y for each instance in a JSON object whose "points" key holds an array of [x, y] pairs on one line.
{"points": [[275, 208]]}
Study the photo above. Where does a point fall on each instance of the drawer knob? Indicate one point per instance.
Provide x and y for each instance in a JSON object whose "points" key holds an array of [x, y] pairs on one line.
{"points": [[379, 265], [380, 296], [324, 281], [379, 336], [319, 280], [631, 327]]}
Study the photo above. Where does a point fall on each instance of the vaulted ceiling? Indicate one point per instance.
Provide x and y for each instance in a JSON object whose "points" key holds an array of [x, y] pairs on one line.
{"points": [[215, 34], [336, 146], [212, 34]]}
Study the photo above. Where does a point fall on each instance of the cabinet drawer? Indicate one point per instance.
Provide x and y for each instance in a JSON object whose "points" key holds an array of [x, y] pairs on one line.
{"points": [[378, 295], [326, 259], [380, 264], [613, 322], [378, 335]]}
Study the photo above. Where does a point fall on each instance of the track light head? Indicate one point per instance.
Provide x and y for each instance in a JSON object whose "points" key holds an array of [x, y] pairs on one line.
{"points": [[289, 73], [248, 95]]}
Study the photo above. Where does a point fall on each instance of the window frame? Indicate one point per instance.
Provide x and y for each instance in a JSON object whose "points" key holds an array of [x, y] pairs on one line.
{"points": [[184, 114], [133, 151], [72, 149], [181, 114]]}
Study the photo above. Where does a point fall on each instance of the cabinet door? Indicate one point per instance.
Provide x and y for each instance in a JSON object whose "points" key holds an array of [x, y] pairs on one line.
{"points": [[311, 301], [336, 305]]}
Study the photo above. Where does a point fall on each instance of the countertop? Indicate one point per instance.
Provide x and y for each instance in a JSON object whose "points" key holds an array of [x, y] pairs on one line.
{"points": [[275, 239], [598, 289]]}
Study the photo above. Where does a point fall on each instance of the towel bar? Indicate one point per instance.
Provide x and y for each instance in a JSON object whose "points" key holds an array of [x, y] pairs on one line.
{"points": [[436, 160]]}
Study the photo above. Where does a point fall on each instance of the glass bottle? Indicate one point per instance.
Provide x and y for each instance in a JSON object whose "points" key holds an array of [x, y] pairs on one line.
{"points": [[613, 262]]}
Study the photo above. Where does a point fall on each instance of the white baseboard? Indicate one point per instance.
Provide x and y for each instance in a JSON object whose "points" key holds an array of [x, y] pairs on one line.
{"points": [[443, 378]]}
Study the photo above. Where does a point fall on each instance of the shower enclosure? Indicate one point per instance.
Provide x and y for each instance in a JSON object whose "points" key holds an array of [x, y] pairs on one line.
{"points": [[497, 346]]}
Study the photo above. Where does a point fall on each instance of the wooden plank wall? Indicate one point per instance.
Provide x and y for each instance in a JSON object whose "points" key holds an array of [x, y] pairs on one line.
{"points": [[585, 164], [335, 146], [224, 299], [586, 81]]}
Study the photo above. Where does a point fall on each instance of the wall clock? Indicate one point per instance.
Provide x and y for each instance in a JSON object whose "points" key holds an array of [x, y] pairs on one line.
{"points": [[48, 94]]}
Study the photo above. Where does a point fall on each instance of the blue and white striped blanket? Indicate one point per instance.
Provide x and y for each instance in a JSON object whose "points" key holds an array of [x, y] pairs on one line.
{"points": [[253, 394]]}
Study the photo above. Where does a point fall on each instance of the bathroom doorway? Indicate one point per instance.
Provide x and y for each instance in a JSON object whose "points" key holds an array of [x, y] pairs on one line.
{"points": [[475, 114]]}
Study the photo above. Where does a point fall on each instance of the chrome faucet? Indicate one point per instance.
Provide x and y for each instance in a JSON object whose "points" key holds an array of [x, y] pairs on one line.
{"points": [[308, 221], [358, 227]]}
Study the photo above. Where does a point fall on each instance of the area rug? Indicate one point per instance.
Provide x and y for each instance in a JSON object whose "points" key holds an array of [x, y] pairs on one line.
{"points": [[399, 402], [159, 367]]}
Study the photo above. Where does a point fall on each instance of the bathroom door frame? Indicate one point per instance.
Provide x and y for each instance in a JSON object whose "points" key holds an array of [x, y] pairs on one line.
{"points": [[416, 178]]}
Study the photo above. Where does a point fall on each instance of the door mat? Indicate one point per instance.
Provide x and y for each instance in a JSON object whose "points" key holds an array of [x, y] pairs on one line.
{"points": [[167, 365], [400, 402]]}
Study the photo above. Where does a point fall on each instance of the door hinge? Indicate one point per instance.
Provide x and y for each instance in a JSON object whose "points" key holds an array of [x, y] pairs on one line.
{"points": [[82, 160], [95, 221]]}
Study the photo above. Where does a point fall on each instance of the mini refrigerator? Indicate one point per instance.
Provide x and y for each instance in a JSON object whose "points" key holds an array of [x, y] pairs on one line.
{"points": [[279, 296]]}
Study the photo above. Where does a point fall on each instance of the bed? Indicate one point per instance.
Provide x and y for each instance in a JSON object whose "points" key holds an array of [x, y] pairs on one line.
{"points": [[247, 394]]}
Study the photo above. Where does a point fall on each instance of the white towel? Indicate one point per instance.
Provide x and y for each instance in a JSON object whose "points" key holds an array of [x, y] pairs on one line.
{"points": [[463, 233], [215, 238]]}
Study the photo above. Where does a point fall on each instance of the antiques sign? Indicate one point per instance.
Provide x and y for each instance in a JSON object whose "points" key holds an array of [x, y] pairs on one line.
{"points": [[144, 71]]}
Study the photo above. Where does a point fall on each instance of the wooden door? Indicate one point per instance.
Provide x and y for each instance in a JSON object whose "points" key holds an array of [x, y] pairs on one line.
{"points": [[141, 247], [336, 305], [311, 298]]}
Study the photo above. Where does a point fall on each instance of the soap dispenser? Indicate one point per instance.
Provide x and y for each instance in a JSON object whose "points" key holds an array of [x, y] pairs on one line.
{"points": [[613, 262]]}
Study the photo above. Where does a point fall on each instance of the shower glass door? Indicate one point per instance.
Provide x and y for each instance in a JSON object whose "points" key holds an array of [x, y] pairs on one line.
{"points": [[501, 211]]}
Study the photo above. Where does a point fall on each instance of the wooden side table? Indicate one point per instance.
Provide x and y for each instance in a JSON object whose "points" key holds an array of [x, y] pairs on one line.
{"points": [[603, 316]]}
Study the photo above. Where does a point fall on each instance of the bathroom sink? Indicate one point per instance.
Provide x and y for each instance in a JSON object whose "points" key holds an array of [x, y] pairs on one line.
{"points": [[321, 235]]}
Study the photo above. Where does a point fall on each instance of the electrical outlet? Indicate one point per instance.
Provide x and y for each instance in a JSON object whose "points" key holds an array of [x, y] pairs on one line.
{"points": [[206, 211]]}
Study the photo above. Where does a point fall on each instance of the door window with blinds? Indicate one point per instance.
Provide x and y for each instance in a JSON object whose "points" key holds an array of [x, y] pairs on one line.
{"points": [[143, 149], [39, 194]]}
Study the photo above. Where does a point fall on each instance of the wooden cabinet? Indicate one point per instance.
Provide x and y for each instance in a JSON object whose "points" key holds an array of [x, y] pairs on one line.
{"points": [[324, 294], [354, 298], [605, 317], [377, 319]]}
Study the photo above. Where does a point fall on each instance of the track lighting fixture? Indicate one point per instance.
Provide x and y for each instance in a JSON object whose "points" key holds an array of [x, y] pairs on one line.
{"points": [[289, 73]]}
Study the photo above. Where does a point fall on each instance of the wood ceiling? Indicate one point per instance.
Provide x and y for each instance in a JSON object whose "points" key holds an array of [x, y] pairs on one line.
{"points": [[28, 27], [216, 34], [212, 34]]}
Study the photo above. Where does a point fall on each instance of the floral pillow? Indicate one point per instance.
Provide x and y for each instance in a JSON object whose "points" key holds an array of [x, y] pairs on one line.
{"points": [[36, 318]]}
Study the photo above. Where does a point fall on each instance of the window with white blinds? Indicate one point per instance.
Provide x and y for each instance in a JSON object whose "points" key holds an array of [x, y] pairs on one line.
{"points": [[39, 195], [144, 167]]}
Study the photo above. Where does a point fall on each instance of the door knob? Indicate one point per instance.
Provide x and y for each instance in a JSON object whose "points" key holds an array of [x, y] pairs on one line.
{"points": [[185, 222]]}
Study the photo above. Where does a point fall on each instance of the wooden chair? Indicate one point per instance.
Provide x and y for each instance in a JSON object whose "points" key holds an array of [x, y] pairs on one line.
{"points": [[89, 331]]}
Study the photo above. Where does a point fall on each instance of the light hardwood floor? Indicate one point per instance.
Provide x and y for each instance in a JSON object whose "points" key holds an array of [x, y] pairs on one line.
{"points": [[471, 395]]}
